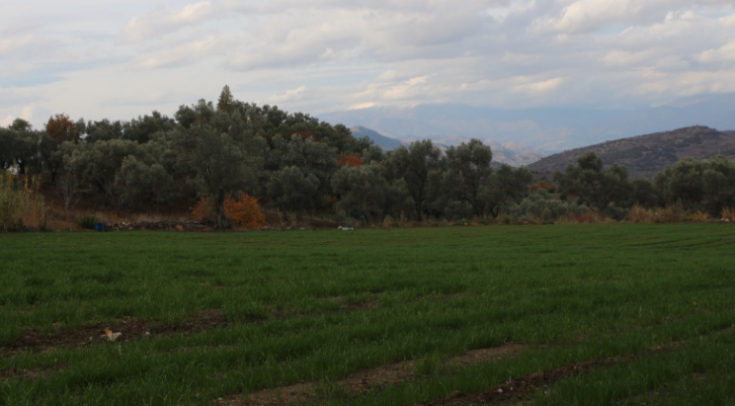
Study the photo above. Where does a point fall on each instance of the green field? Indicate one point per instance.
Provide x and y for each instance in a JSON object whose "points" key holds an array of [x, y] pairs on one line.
{"points": [[600, 314]]}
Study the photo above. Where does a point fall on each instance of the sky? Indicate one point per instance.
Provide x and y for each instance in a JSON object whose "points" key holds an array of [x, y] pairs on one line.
{"points": [[119, 59]]}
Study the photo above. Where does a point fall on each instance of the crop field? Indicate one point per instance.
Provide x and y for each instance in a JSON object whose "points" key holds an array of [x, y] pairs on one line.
{"points": [[584, 314]]}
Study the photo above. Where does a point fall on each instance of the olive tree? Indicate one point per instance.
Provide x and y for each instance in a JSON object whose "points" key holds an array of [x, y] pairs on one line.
{"points": [[599, 188], [414, 164]]}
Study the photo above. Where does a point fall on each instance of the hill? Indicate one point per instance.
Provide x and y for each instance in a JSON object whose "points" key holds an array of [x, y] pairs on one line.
{"points": [[646, 155], [379, 139]]}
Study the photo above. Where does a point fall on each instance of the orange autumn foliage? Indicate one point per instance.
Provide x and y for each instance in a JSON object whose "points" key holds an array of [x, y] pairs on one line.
{"points": [[245, 212], [350, 160], [548, 186], [60, 128], [242, 210], [204, 210]]}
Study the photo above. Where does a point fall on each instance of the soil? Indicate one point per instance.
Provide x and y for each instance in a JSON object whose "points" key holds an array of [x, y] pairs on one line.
{"points": [[363, 381], [130, 328]]}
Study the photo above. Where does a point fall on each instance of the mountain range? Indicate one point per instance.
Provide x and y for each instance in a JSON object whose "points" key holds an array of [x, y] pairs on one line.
{"points": [[508, 153], [539, 130]]}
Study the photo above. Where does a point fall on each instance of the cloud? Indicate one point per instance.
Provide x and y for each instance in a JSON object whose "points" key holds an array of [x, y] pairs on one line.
{"points": [[361, 106], [288, 95], [723, 54], [163, 21], [189, 51], [318, 55], [542, 86]]}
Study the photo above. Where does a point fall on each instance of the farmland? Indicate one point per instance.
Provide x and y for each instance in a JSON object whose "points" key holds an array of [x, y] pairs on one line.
{"points": [[546, 315]]}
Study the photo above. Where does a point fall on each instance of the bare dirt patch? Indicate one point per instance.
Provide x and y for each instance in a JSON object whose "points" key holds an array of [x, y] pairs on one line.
{"points": [[131, 329], [363, 381], [32, 373]]}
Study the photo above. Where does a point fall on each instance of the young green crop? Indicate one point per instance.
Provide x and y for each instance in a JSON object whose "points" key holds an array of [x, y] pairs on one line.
{"points": [[313, 306]]}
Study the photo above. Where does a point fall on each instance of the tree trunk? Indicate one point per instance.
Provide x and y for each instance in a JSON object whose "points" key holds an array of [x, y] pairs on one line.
{"points": [[223, 223]]}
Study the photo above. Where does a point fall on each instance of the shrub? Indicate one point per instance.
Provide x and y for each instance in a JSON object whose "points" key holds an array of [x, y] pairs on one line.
{"points": [[728, 213], [670, 214], [541, 207], [639, 214], [203, 211], [20, 204], [88, 221], [697, 217], [245, 212]]}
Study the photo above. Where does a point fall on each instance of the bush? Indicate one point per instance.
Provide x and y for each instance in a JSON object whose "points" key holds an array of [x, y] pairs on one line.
{"points": [[639, 214], [245, 212], [541, 207], [88, 221], [728, 213], [203, 211], [20, 204]]}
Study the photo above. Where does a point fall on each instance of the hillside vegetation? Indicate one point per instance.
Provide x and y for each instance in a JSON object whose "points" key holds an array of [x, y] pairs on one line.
{"points": [[647, 155]]}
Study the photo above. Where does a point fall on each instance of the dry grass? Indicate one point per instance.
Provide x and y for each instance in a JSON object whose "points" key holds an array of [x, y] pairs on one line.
{"points": [[21, 204], [669, 214], [728, 213], [639, 214]]}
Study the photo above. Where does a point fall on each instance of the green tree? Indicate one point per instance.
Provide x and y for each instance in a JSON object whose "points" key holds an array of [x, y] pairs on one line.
{"points": [[98, 165], [18, 146], [470, 165], [505, 187], [683, 182], [226, 100], [364, 193], [294, 191], [415, 164], [219, 166], [599, 188]]}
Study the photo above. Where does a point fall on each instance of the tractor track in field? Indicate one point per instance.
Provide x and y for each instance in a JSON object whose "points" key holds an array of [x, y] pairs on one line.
{"points": [[518, 389], [364, 381], [132, 328], [129, 327], [524, 387]]}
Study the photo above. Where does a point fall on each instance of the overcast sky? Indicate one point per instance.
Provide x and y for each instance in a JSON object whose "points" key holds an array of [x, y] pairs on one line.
{"points": [[124, 58]]}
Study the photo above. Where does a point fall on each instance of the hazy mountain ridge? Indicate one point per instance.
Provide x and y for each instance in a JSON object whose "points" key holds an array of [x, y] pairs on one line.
{"points": [[646, 155], [509, 153], [546, 129], [380, 140]]}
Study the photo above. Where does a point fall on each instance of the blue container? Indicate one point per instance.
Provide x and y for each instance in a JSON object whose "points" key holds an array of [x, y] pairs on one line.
{"points": [[99, 227]]}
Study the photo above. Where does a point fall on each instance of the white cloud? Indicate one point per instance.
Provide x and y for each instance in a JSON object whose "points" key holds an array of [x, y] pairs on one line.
{"points": [[317, 55], [362, 106], [288, 95], [723, 54], [7, 121], [543, 86], [162, 21]]}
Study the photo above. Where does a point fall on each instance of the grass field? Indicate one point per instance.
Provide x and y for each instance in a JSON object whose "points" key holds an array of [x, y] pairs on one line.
{"points": [[608, 314]]}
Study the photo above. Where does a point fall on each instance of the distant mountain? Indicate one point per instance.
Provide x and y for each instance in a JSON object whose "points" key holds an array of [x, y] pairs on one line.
{"points": [[648, 154], [507, 153], [379, 139], [544, 129], [512, 154]]}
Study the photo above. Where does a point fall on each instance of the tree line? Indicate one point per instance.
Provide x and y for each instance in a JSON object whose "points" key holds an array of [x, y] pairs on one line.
{"points": [[300, 165]]}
